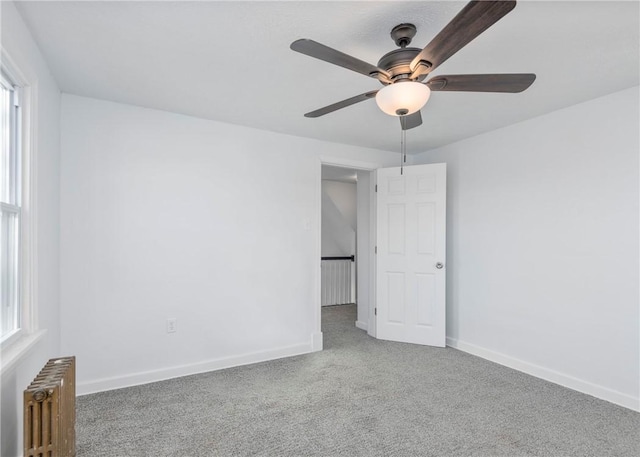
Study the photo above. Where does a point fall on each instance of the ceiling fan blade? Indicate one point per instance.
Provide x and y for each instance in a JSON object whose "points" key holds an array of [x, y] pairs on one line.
{"points": [[342, 104], [411, 121], [514, 82], [322, 52], [474, 19]]}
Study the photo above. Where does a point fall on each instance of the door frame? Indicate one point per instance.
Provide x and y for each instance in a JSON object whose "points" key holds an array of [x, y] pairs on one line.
{"points": [[361, 166]]}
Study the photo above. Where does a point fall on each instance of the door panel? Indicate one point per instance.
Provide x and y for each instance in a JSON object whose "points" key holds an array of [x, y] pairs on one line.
{"points": [[411, 241]]}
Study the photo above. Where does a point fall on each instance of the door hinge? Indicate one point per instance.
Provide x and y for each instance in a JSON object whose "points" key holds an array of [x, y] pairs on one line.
{"points": [[375, 250], [376, 188], [375, 311]]}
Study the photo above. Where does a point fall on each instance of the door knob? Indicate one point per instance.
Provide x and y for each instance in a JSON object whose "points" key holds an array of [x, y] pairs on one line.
{"points": [[439, 265]]}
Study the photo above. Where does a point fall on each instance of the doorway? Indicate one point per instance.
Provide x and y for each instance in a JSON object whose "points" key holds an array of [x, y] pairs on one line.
{"points": [[412, 231], [346, 201]]}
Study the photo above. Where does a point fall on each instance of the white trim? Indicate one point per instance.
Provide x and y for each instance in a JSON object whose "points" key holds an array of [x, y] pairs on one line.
{"points": [[316, 342], [12, 354], [28, 86], [361, 325], [373, 241], [556, 377], [317, 272], [9, 208], [348, 163], [146, 377], [29, 208]]}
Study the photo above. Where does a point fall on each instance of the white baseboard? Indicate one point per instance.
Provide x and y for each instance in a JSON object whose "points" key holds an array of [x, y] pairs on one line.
{"points": [[362, 325], [564, 380], [119, 382], [316, 342]]}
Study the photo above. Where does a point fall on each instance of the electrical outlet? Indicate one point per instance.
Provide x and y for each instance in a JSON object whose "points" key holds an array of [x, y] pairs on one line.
{"points": [[172, 325]]}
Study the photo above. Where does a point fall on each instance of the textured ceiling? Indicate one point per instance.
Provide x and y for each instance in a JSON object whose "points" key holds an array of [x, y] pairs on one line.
{"points": [[231, 62]]}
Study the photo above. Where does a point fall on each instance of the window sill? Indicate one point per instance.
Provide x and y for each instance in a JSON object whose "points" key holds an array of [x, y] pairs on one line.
{"points": [[16, 350]]}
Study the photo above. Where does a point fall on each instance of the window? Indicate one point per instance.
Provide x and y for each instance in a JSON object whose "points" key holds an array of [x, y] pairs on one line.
{"points": [[11, 208]]}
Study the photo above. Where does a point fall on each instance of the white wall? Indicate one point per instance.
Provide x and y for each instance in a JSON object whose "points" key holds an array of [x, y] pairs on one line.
{"points": [[543, 246], [21, 49], [165, 215], [339, 221]]}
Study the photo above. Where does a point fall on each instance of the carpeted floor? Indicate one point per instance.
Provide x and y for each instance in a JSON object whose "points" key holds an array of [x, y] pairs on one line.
{"points": [[358, 397]]}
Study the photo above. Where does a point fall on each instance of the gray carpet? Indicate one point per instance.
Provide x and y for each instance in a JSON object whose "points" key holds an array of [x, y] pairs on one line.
{"points": [[358, 397]]}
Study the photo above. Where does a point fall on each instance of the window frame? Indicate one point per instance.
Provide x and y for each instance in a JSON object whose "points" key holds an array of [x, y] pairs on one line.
{"points": [[12, 203], [16, 345]]}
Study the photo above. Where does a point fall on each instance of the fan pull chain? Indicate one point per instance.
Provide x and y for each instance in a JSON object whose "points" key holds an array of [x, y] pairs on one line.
{"points": [[401, 147], [404, 136], [402, 124]]}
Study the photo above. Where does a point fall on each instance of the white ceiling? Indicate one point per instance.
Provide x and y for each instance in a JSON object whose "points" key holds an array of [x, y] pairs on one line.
{"points": [[231, 62]]}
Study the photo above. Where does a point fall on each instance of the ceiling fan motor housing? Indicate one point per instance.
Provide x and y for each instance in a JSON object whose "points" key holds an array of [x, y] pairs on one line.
{"points": [[396, 62]]}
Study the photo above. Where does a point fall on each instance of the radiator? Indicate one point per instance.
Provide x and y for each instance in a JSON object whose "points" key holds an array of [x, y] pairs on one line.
{"points": [[50, 411], [336, 282]]}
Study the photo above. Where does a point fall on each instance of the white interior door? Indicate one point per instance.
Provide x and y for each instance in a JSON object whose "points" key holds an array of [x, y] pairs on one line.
{"points": [[410, 261]]}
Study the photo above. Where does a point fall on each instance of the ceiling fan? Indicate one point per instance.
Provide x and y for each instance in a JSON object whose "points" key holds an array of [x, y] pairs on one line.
{"points": [[402, 70]]}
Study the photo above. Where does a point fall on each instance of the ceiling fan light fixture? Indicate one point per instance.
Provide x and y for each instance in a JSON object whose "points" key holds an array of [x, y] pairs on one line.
{"points": [[403, 98]]}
